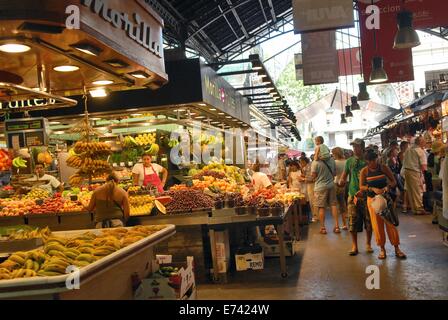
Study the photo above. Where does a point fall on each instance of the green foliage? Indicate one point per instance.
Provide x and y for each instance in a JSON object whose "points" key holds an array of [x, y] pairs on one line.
{"points": [[298, 95]]}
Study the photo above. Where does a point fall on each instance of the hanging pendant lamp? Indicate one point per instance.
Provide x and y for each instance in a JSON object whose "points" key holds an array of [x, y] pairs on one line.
{"points": [[378, 74], [348, 112], [343, 119], [355, 105], [406, 36], [363, 94]]}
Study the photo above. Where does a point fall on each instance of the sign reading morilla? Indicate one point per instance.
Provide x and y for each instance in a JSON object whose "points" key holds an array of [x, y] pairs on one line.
{"points": [[136, 27], [78, 45]]}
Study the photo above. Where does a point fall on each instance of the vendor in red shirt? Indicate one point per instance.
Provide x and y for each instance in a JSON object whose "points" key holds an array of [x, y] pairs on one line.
{"points": [[147, 174]]}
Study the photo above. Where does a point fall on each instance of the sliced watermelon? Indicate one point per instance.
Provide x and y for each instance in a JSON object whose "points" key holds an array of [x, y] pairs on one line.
{"points": [[164, 200]]}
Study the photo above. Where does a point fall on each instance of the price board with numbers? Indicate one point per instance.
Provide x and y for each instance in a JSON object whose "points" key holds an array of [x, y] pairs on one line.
{"points": [[23, 133]]}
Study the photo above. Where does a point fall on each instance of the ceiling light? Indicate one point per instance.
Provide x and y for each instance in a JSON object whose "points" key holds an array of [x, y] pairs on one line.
{"points": [[355, 105], [228, 117], [54, 123], [363, 94], [348, 112], [98, 93], [136, 114], [116, 63], [179, 110], [203, 104], [221, 113], [406, 36], [378, 74], [67, 68], [139, 75], [215, 122], [212, 109], [235, 120], [14, 48], [59, 132], [102, 82], [200, 117], [87, 49], [192, 114]]}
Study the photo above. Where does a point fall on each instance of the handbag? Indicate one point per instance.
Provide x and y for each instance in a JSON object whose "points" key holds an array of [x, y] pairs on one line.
{"points": [[388, 213]]}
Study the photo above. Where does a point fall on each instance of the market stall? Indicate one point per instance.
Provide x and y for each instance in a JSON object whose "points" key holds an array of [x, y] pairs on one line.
{"points": [[108, 262]]}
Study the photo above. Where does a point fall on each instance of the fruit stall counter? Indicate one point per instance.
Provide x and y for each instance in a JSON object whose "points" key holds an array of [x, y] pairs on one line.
{"points": [[107, 276]]}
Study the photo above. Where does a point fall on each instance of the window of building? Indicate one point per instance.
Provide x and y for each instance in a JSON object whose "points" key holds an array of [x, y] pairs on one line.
{"points": [[328, 122]]}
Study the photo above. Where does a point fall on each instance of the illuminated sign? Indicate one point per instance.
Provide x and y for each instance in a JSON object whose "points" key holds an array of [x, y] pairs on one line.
{"points": [[136, 28], [26, 104]]}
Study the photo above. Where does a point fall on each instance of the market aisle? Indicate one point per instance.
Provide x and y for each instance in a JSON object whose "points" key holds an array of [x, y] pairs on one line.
{"points": [[323, 270]]}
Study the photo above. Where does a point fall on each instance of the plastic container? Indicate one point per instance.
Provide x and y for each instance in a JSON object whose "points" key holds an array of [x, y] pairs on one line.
{"points": [[263, 212]]}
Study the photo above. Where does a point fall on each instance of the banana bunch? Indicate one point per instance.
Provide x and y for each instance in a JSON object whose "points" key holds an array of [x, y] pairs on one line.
{"points": [[129, 142], [91, 147], [34, 234], [19, 162], [74, 161], [59, 253], [153, 150], [76, 180]]}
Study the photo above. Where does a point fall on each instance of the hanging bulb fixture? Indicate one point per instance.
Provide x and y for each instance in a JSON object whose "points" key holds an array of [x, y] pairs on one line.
{"points": [[378, 74], [355, 105], [363, 94], [406, 36], [348, 112], [343, 119]]}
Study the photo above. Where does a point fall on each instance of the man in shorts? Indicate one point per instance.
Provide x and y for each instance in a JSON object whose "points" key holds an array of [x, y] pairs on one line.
{"points": [[357, 201], [323, 173]]}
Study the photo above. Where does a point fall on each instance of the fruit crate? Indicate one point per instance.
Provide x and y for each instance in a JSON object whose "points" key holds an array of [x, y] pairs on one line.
{"points": [[12, 221], [52, 221], [76, 221]]}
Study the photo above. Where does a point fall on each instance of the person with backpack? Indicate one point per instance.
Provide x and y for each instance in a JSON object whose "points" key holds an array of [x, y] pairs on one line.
{"points": [[323, 173]]}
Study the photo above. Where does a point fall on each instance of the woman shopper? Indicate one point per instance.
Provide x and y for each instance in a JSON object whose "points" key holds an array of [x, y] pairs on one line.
{"points": [[294, 176], [378, 179], [307, 178], [110, 204], [394, 166], [341, 194]]}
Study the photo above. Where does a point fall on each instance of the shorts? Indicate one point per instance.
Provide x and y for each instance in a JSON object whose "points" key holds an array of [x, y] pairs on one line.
{"points": [[325, 198], [114, 223], [358, 215], [341, 199]]}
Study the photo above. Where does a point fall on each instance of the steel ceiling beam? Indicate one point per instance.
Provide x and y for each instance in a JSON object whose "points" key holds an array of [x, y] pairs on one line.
{"points": [[237, 17]]}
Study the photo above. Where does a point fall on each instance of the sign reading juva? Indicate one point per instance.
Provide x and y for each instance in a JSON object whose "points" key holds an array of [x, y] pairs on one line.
{"points": [[139, 31]]}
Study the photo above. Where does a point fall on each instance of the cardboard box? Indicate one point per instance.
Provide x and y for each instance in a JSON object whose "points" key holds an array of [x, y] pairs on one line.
{"points": [[158, 287], [222, 248]]}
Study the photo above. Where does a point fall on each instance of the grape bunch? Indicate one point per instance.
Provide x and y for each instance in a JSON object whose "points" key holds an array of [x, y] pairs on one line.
{"points": [[186, 200]]}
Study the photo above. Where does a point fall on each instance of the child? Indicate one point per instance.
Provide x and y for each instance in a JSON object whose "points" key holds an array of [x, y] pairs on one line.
{"points": [[322, 152]]}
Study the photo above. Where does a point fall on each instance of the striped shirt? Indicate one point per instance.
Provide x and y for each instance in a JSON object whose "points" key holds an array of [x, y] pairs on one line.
{"points": [[376, 178]]}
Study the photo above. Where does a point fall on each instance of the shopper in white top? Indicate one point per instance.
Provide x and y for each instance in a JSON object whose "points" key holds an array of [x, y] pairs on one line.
{"points": [[341, 194], [414, 164], [260, 180]]}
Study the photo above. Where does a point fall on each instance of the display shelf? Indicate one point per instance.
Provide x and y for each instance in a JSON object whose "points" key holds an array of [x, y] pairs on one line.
{"points": [[106, 279]]}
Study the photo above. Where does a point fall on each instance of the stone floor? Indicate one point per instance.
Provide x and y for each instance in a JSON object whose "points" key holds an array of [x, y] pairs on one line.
{"points": [[322, 269]]}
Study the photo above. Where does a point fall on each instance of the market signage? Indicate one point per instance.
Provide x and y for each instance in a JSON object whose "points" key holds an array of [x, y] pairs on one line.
{"points": [[349, 61], [26, 104], [217, 92], [398, 63], [317, 15], [320, 58], [137, 28]]}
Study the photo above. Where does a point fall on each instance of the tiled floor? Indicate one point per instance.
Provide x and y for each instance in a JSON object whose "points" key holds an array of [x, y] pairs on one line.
{"points": [[322, 269]]}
